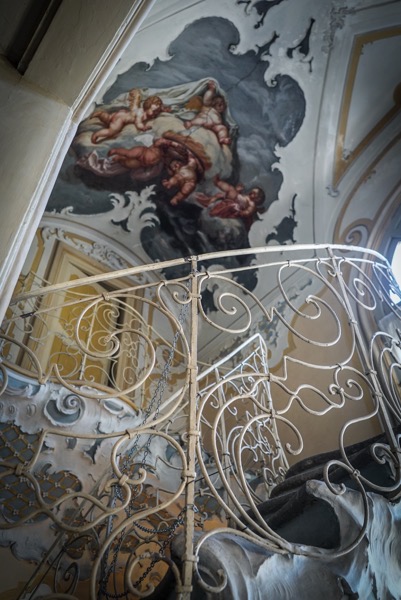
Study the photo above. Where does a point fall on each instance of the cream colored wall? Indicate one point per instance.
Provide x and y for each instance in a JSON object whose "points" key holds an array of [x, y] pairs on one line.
{"points": [[34, 126], [319, 369], [41, 110]]}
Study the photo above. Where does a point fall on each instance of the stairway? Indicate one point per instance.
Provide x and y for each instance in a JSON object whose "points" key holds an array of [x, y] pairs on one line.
{"points": [[298, 516]]}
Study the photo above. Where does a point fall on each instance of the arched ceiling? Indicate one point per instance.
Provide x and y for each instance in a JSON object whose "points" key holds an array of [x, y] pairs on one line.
{"points": [[310, 115], [313, 106]]}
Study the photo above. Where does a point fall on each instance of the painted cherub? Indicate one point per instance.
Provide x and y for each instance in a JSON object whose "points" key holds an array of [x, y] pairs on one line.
{"points": [[184, 158], [233, 201], [211, 115], [184, 176], [140, 157], [136, 114]]}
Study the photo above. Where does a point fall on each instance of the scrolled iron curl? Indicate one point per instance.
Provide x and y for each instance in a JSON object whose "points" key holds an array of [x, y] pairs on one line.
{"points": [[166, 285], [363, 286], [232, 310], [70, 575], [327, 263], [387, 287], [156, 557], [337, 388], [386, 450], [339, 490]]}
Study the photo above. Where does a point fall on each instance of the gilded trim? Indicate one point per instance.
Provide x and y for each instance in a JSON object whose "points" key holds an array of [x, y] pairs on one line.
{"points": [[341, 164], [337, 235]]}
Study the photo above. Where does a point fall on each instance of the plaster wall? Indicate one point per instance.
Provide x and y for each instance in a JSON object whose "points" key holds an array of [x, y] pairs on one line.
{"points": [[33, 127], [41, 111]]}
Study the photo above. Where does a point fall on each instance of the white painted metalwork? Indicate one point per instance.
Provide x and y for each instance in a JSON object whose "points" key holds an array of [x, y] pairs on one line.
{"points": [[134, 412]]}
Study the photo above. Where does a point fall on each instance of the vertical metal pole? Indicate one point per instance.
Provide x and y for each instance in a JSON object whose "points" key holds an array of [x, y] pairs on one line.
{"points": [[192, 433], [226, 460]]}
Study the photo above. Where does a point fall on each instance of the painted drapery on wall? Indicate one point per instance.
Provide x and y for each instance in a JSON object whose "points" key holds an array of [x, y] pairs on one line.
{"points": [[197, 131]]}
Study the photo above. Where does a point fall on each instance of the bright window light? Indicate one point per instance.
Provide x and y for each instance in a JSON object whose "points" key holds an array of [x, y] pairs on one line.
{"points": [[396, 267]]}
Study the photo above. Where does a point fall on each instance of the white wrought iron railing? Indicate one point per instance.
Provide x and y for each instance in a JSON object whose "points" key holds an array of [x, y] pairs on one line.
{"points": [[172, 409]]}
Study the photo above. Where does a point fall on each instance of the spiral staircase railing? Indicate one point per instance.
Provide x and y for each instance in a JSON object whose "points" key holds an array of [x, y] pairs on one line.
{"points": [[140, 422]]}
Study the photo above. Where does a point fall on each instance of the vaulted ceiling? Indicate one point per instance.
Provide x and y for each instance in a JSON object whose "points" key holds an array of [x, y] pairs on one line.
{"points": [[311, 116]]}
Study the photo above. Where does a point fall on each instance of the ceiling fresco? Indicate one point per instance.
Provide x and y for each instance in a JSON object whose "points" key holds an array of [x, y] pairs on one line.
{"points": [[240, 124], [196, 133]]}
